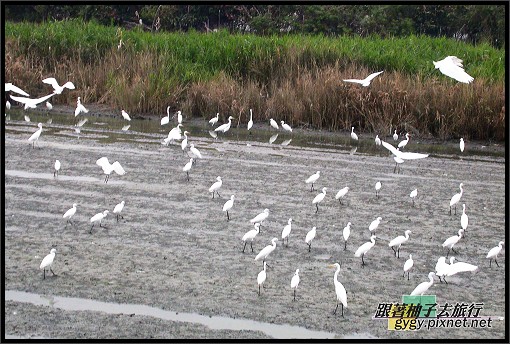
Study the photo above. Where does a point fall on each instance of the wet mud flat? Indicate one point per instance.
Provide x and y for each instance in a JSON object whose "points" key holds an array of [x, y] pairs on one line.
{"points": [[175, 250]]}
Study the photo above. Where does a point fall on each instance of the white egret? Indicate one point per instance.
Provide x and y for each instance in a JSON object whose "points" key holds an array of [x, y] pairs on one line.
{"points": [[363, 249], [179, 117], [493, 253], [442, 268], [403, 143], [184, 142], [456, 268], [398, 241], [294, 282], [35, 136], [452, 66], [395, 135], [377, 140], [413, 195], [216, 186], [309, 237], [108, 168], [273, 123], [286, 231], [166, 119], [319, 198], [8, 105], [48, 262], [353, 134], [261, 278], [70, 213], [266, 250], [125, 115], [451, 241], [27, 119], [58, 89], [374, 224], [250, 122], [13, 88], [464, 218], [398, 161], [80, 108], [346, 233], [250, 235], [49, 106], [403, 155], [378, 186], [98, 217], [228, 205], [118, 209], [461, 144], [260, 217], [312, 179], [195, 151], [285, 126], [364, 82], [424, 286], [31, 103], [187, 167], [214, 120], [408, 265], [174, 134], [225, 127], [341, 294], [341, 193], [456, 198], [273, 138], [57, 168]]}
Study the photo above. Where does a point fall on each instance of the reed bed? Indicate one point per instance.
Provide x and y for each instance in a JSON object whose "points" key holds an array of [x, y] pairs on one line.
{"points": [[296, 78]]}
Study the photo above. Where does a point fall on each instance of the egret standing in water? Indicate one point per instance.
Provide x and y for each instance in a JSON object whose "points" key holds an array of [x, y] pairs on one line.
{"points": [[273, 123], [195, 151], [408, 265], [187, 167], [294, 282], [225, 127], [451, 241], [312, 179], [319, 198], [125, 115], [413, 195], [166, 119], [285, 126], [250, 235], [346, 233], [377, 140], [456, 198], [49, 106], [48, 262], [341, 193], [80, 108], [35, 136], [399, 241], [261, 278], [70, 213], [493, 253], [404, 143], [214, 120], [395, 135], [363, 249], [228, 205], [424, 286], [286, 231], [266, 250], [341, 294], [309, 237], [184, 142], [398, 161], [57, 168], [377, 188], [216, 186], [118, 209], [461, 144]]}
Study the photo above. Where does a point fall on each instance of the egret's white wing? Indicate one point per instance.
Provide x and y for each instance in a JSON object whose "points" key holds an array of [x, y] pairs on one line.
{"points": [[411, 156], [373, 75], [13, 88], [52, 81], [165, 120], [31, 102], [354, 80], [118, 169], [69, 85], [103, 162], [389, 147], [456, 72]]}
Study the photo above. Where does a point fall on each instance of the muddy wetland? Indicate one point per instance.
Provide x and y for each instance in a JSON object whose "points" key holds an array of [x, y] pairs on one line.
{"points": [[173, 266]]}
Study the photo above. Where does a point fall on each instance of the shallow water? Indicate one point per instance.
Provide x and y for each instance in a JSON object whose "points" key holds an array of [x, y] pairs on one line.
{"points": [[213, 322]]}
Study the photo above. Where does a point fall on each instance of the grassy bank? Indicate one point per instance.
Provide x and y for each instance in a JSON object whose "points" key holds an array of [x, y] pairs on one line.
{"points": [[294, 78]]}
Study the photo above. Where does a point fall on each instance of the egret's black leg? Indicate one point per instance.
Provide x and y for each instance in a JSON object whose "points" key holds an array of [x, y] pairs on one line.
{"points": [[44, 273], [334, 312], [448, 253], [259, 289], [362, 261], [342, 309], [91, 229], [455, 251], [408, 275], [228, 217], [345, 246], [398, 252], [52, 271], [251, 245], [496, 262], [317, 205], [394, 250], [309, 247], [490, 262], [450, 210], [217, 193], [294, 294], [244, 246]]}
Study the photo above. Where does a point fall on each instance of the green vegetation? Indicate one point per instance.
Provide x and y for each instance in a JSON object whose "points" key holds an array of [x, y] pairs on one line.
{"points": [[293, 77]]}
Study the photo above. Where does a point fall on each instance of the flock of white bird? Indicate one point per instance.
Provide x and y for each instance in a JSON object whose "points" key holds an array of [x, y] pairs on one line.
{"points": [[450, 66]]}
